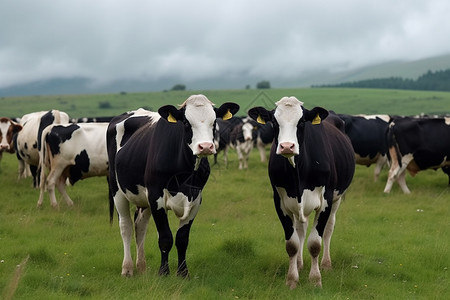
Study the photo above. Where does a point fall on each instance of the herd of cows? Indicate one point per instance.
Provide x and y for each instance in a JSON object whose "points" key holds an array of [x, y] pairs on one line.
{"points": [[158, 161]]}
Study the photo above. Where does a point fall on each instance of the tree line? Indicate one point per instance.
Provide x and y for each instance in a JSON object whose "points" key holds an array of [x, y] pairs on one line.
{"points": [[430, 81]]}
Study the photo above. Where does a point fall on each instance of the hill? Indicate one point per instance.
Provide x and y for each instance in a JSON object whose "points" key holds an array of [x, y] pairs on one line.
{"points": [[404, 69]]}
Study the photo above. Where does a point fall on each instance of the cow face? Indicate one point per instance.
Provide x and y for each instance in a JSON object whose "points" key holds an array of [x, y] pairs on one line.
{"points": [[7, 129], [199, 118], [289, 119]]}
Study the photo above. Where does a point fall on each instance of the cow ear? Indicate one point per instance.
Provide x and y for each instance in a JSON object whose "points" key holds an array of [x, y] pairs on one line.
{"points": [[16, 127], [227, 110], [315, 115], [170, 113], [260, 114]]}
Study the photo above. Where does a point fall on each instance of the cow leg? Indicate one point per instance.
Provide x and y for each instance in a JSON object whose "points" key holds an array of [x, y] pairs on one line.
{"points": [[53, 179], [293, 250], [240, 156], [61, 185], [328, 232], [379, 166], [141, 218], [315, 241], [262, 150], [126, 230], [181, 242], [401, 180], [165, 238], [225, 155], [301, 227]]}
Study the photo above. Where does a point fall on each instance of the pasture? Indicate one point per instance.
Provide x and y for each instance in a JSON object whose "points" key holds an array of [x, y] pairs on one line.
{"points": [[384, 246]]}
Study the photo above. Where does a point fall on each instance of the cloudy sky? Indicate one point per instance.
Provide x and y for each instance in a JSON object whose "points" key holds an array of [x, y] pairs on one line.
{"points": [[192, 40]]}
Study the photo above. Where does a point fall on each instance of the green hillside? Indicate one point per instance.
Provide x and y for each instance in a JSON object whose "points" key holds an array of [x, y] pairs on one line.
{"points": [[342, 100]]}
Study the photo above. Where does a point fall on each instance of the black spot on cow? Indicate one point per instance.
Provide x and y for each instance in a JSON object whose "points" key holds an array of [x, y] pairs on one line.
{"points": [[81, 166]]}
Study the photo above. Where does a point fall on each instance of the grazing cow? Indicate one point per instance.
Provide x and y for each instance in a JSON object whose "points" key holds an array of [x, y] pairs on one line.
{"points": [[368, 136], [157, 163], [8, 128], [74, 152], [222, 137], [28, 141], [311, 165], [417, 144], [241, 139]]}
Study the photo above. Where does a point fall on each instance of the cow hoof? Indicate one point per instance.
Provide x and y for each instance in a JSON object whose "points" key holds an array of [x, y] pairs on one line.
{"points": [[164, 271], [292, 284], [183, 274], [127, 273]]}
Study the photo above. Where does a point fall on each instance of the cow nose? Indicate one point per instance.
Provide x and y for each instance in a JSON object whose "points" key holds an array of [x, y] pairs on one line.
{"points": [[3, 146], [287, 148], [206, 148]]}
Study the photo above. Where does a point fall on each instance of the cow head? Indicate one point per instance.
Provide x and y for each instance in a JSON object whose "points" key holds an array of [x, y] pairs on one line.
{"points": [[199, 116], [7, 130], [288, 118]]}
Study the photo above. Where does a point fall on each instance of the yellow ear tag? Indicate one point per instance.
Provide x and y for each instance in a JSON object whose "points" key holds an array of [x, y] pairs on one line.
{"points": [[171, 119], [316, 120], [227, 116], [260, 120]]}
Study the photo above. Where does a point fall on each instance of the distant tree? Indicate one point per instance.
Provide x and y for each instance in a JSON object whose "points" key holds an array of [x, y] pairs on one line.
{"points": [[178, 87], [436, 81], [265, 84], [247, 87]]}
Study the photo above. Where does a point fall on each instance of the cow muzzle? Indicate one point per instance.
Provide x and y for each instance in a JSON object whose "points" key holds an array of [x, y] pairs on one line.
{"points": [[4, 146], [286, 149], [206, 148]]}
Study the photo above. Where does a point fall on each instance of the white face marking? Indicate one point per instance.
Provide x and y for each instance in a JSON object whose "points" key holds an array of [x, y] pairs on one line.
{"points": [[247, 130], [4, 126], [288, 113], [201, 115]]}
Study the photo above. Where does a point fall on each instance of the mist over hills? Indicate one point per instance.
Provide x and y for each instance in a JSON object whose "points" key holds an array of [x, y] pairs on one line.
{"points": [[79, 85]]}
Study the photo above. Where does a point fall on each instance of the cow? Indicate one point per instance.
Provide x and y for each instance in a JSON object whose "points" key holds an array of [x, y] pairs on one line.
{"points": [[264, 137], [28, 140], [8, 128], [417, 144], [91, 120], [311, 165], [158, 162], [222, 138], [73, 152], [242, 138], [368, 136]]}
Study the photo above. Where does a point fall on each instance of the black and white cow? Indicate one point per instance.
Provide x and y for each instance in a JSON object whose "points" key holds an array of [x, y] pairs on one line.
{"points": [[74, 152], [311, 165], [28, 140], [222, 136], [242, 138], [8, 128], [264, 137], [157, 163], [417, 144], [368, 136]]}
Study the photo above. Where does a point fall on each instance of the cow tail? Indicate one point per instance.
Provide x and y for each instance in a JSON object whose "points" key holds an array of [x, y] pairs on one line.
{"points": [[111, 202], [44, 161], [392, 142]]}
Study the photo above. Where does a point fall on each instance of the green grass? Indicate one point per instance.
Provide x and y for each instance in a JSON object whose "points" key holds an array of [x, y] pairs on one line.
{"points": [[351, 101], [384, 247]]}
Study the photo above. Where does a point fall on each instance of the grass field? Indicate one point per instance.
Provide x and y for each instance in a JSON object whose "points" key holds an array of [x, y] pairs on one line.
{"points": [[350, 101], [391, 246]]}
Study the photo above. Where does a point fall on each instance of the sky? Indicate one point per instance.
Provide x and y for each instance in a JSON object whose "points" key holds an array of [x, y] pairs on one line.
{"points": [[107, 40]]}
